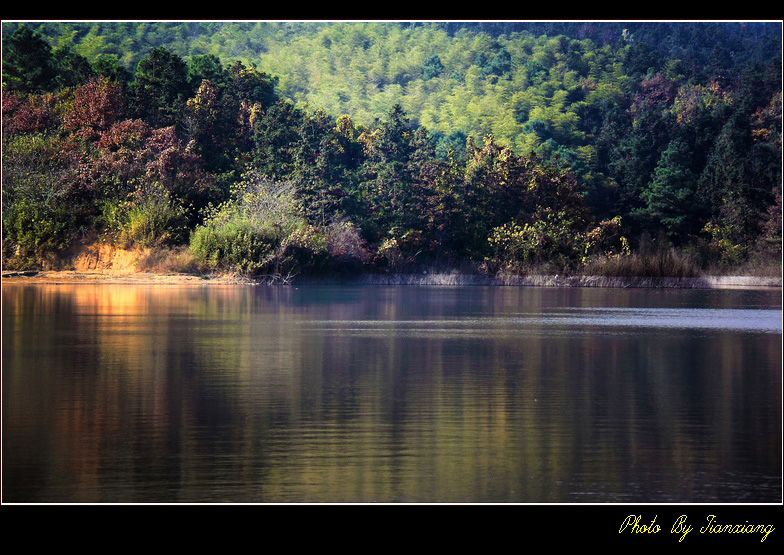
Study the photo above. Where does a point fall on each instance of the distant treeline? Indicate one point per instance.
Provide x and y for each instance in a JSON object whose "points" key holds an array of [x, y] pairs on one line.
{"points": [[276, 148]]}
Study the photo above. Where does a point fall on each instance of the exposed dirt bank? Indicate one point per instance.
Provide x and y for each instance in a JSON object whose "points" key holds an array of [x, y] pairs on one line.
{"points": [[103, 263]]}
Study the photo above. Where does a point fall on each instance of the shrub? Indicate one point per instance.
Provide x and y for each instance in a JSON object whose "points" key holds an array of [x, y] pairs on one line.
{"points": [[345, 246], [550, 238], [37, 228], [723, 247], [607, 239], [304, 250], [41, 213], [150, 217], [236, 244], [389, 254], [261, 230]]}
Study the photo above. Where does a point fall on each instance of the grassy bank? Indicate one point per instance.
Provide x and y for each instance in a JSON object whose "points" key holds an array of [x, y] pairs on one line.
{"points": [[100, 262]]}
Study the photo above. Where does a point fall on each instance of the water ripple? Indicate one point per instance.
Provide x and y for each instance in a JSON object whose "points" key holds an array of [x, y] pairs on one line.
{"points": [[752, 320]]}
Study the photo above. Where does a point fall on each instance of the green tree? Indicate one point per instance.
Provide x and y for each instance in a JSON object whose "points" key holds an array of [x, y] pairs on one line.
{"points": [[635, 156], [551, 239], [160, 88], [111, 68], [386, 179], [327, 156], [432, 67], [28, 63], [253, 86], [275, 138], [207, 66], [671, 204], [725, 182], [72, 69], [500, 64]]}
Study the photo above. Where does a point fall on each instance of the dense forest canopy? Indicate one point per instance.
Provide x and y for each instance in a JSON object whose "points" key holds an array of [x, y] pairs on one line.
{"points": [[277, 146]]}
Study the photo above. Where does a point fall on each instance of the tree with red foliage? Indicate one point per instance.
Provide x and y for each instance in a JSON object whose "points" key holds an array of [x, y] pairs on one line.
{"points": [[29, 113], [97, 106]]}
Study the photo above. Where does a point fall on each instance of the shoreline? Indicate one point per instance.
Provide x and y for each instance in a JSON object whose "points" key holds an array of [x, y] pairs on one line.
{"points": [[53, 277]]}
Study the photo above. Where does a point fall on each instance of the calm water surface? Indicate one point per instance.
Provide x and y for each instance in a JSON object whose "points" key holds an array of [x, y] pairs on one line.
{"points": [[129, 393]]}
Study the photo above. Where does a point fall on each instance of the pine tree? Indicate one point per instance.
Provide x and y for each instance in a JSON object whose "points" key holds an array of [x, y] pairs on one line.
{"points": [[670, 201], [28, 62]]}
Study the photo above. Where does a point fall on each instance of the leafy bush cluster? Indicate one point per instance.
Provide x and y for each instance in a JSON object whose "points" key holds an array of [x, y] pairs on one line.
{"points": [[549, 239], [254, 232]]}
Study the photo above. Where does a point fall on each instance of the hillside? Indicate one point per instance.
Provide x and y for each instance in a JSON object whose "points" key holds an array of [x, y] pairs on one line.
{"points": [[330, 146]]}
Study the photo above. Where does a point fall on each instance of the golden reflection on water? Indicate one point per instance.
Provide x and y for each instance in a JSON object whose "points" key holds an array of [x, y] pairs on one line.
{"points": [[237, 394]]}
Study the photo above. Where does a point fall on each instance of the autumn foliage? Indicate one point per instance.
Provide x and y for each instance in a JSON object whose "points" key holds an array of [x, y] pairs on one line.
{"points": [[583, 154]]}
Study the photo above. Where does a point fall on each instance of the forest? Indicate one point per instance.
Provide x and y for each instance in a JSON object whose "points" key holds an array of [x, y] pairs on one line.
{"points": [[277, 148]]}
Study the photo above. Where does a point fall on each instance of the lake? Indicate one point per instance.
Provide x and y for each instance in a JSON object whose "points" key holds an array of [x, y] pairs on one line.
{"points": [[375, 394]]}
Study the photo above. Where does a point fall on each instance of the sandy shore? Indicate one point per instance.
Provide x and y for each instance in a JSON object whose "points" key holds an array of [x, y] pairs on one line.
{"points": [[447, 279], [141, 278]]}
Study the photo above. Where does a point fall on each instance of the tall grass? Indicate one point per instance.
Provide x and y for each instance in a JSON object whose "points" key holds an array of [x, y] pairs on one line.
{"points": [[662, 263]]}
